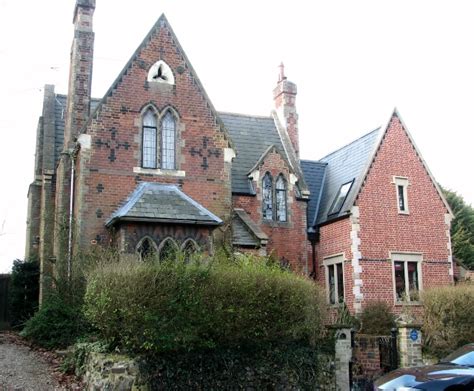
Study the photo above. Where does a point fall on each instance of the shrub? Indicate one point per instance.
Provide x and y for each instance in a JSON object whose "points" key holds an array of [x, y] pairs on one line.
{"points": [[157, 307], [376, 318], [57, 324], [276, 366], [448, 318], [24, 291]]}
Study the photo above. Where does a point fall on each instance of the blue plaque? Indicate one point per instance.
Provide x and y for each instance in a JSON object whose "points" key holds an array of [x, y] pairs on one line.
{"points": [[414, 335]]}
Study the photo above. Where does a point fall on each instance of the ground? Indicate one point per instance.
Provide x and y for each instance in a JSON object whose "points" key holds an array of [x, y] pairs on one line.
{"points": [[25, 368]]}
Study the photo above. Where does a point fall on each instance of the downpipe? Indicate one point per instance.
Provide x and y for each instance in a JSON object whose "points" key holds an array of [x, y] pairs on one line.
{"points": [[72, 155]]}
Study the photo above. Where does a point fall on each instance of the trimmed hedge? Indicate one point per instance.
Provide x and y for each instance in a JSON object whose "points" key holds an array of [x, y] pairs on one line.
{"points": [[277, 366], [448, 318], [158, 307]]}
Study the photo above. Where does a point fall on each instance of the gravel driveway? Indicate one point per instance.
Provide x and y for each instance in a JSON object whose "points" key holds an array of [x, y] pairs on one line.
{"points": [[23, 369]]}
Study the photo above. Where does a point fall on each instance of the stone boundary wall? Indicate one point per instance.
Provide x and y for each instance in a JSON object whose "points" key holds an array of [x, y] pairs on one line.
{"points": [[112, 372]]}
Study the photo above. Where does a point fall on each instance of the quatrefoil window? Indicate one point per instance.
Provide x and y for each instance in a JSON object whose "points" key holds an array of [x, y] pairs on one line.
{"points": [[161, 72]]}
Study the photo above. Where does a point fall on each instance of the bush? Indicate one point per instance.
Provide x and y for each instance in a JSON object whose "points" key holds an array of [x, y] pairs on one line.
{"points": [[376, 318], [24, 291], [158, 307], [57, 324], [277, 366], [448, 318]]}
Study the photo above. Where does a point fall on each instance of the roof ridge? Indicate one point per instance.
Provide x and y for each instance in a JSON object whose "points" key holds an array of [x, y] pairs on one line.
{"points": [[352, 142], [244, 115], [313, 161]]}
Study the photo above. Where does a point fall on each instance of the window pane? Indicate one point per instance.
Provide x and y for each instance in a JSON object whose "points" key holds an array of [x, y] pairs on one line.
{"points": [[281, 199], [149, 147], [332, 285], [149, 119], [146, 249], [340, 283], [401, 198], [168, 152], [413, 280], [267, 198], [340, 198], [400, 280], [168, 250]]}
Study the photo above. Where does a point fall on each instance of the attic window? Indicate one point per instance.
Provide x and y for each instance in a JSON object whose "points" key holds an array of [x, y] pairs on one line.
{"points": [[161, 72], [340, 198]]}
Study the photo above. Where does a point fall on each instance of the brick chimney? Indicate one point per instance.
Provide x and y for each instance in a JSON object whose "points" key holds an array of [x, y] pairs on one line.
{"points": [[284, 95], [80, 71]]}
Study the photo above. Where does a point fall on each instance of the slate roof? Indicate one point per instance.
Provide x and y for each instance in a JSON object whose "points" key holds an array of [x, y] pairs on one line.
{"points": [[314, 174], [252, 135], [245, 232], [156, 202], [344, 165], [59, 122]]}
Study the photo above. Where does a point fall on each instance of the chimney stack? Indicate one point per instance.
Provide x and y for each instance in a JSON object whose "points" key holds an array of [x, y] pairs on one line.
{"points": [[80, 71], [284, 95]]}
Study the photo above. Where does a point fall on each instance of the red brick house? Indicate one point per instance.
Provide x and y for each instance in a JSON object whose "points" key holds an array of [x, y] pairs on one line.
{"points": [[152, 167]]}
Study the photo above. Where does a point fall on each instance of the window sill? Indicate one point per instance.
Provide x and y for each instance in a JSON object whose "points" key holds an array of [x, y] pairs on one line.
{"points": [[159, 172], [403, 212], [277, 224]]}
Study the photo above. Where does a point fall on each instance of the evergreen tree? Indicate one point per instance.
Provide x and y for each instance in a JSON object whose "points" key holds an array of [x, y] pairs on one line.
{"points": [[462, 228]]}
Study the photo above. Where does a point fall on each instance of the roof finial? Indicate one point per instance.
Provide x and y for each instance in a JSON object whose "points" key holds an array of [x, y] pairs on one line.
{"points": [[281, 76]]}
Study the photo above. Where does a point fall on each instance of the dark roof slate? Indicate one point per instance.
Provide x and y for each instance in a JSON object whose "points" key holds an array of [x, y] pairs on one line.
{"points": [[156, 202], [344, 165], [252, 136], [314, 174], [59, 122], [245, 232]]}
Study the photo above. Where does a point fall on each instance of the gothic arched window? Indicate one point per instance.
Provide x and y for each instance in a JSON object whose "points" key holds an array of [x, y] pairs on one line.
{"points": [[267, 197], [280, 195], [149, 146], [189, 248], [146, 249], [168, 131], [168, 250]]}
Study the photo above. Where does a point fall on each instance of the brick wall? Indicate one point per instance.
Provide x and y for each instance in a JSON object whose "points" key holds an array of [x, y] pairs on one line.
{"points": [[286, 239], [108, 169], [383, 229]]}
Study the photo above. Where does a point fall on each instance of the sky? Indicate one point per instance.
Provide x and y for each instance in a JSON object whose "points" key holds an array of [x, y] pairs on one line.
{"points": [[353, 63]]}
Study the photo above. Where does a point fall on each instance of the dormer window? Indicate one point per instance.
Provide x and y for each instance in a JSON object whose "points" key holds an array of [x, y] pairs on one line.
{"points": [[160, 72], [280, 193], [274, 198], [340, 198], [267, 197]]}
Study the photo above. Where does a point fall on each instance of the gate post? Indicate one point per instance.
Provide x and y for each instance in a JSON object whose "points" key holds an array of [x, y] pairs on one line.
{"points": [[409, 345], [343, 358]]}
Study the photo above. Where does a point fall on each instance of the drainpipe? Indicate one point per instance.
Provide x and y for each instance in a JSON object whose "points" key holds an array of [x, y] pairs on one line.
{"points": [[72, 156], [313, 237]]}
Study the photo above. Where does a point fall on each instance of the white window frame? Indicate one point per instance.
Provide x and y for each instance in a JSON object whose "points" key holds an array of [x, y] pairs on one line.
{"points": [[401, 181], [328, 262], [406, 257]]}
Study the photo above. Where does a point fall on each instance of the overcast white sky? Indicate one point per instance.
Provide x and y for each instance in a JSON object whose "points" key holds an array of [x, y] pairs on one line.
{"points": [[353, 62]]}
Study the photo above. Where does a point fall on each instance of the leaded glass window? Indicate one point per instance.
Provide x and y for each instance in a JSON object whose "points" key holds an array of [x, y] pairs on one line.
{"points": [[146, 249], [280, 190], [267, 197], [149, 151], [168, 250], [168, 126]]}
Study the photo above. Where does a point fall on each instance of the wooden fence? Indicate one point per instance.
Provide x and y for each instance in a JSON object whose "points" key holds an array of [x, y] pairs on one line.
{"points": [[4, 285]]}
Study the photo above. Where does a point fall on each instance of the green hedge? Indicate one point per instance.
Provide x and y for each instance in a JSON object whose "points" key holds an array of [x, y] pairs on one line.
{"points": [[157, 307], [277, 366], [448, 318]]}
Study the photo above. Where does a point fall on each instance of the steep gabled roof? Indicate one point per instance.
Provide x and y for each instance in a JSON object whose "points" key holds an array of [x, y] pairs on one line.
{"points": [[156, 202], [347, 164], [161, 22], [252, 135], [314, 173]]}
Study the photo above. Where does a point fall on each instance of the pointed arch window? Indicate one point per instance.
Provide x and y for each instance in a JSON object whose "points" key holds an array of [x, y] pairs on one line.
{"points": [[280, 195], [168, 128], [146, 249], [149, 146], [189, 248], [168, 250], [267, 197]]}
